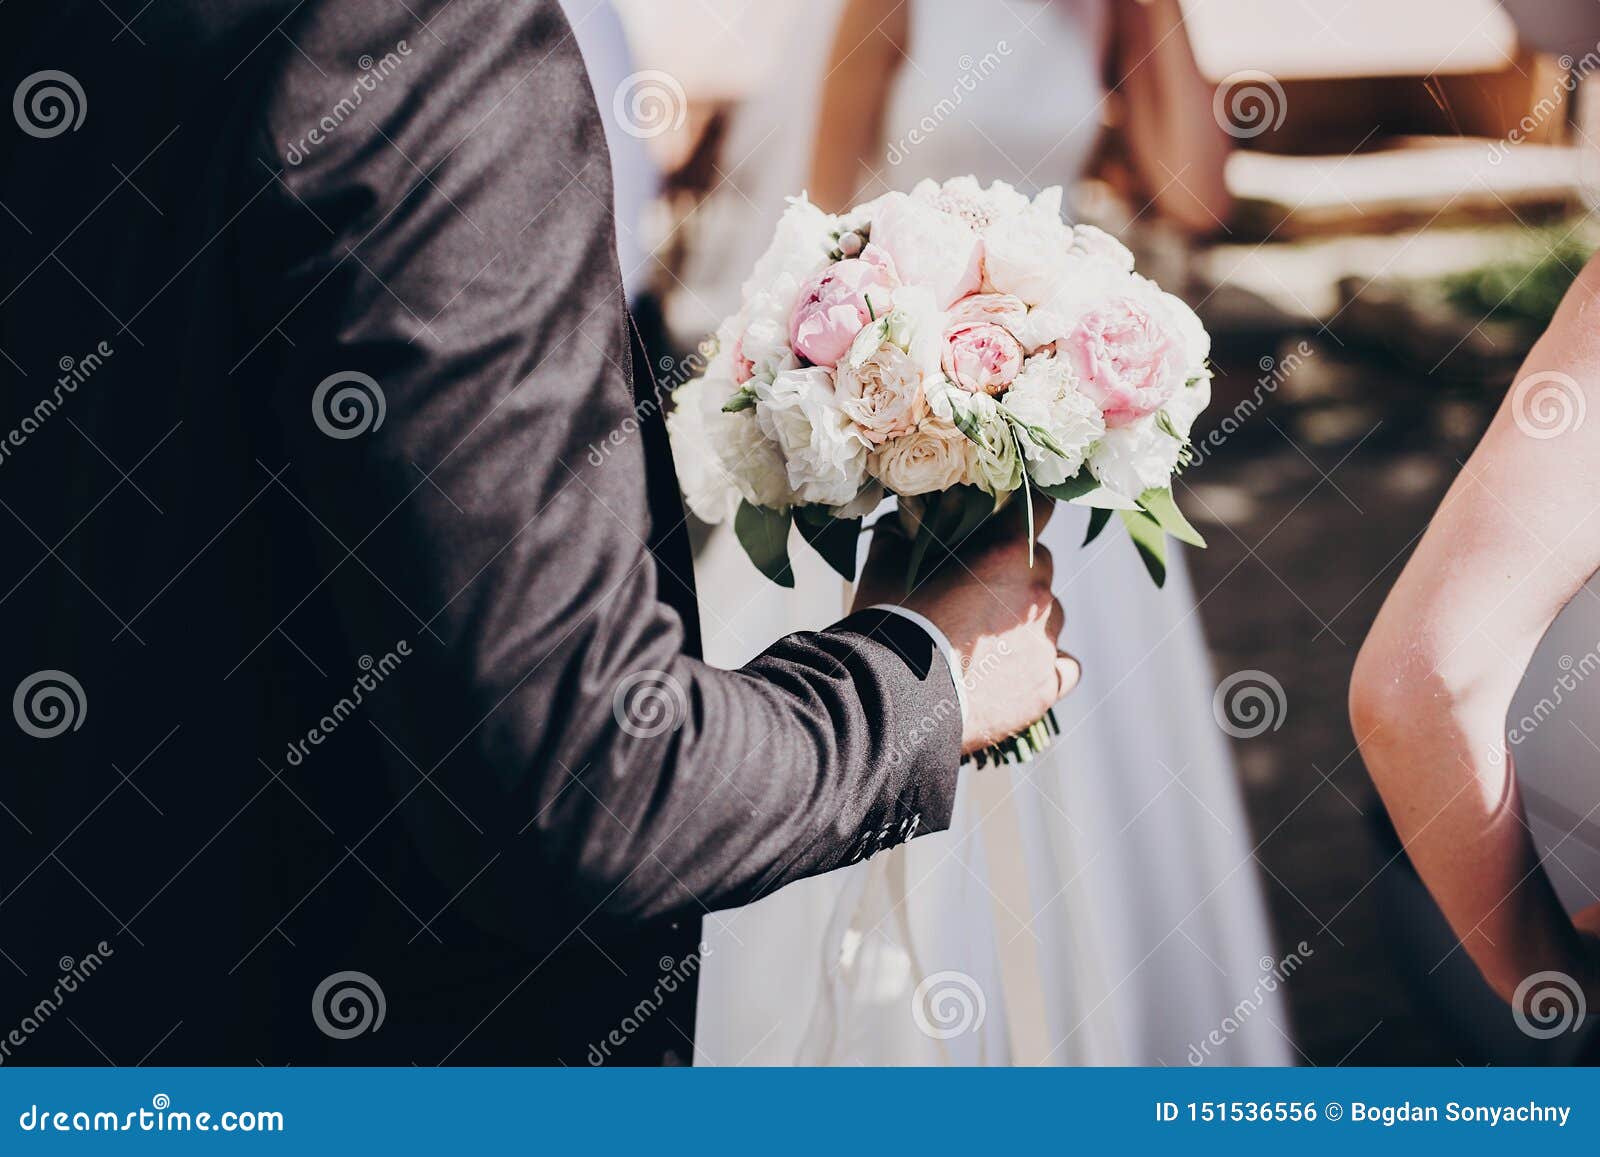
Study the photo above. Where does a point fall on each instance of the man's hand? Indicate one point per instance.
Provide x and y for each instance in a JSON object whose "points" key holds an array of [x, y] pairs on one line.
{"points": [[999, 616]]}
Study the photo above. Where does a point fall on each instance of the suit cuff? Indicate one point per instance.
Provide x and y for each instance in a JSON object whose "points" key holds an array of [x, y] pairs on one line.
{"points": [[940, 641]]}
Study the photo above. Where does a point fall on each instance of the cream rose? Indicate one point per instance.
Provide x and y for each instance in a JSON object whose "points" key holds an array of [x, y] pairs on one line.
{"points": [[932, 457], [883, 394]]}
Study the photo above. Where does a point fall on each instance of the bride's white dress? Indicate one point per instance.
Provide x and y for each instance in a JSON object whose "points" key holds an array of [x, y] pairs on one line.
{"points": [[1140, 911]]}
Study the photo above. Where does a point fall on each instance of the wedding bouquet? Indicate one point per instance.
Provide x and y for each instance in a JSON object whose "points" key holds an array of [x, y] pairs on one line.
{"points": [[951, 347]]}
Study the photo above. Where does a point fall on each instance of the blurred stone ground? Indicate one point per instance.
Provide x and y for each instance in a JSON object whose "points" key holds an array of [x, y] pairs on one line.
{"points": [[1310, 508]]}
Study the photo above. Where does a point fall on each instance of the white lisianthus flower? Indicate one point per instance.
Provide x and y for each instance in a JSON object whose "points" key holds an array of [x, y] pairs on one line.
{"points": [[751, 460], [800, 247], [1144, 455], [992, 460], [1045, 395], [931, 458], [824, 455], [708, 488]]}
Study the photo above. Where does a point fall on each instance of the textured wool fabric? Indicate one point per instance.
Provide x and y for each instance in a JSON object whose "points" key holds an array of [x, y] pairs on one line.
{"points": [[364, 556]]}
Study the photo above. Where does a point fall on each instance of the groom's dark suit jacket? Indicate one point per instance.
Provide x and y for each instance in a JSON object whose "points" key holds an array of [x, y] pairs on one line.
{"points": [[404, 691]]}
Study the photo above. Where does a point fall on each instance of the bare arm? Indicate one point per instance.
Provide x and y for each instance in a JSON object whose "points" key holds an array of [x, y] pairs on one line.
{"points": [[867, 52], [1516, 536], [1171, 140]]}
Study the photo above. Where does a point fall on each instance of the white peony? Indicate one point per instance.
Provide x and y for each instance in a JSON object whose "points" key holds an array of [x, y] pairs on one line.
{"points": [[932, 457], [800, 247], [708, 488], [1188, 404], [929, 247], [963, 197], [1137, 457], [764, 344], [1197, 342], [1078, 285], [748, 457], [1046, 395], [1024, 252], [1089, 241], [1145, 454], [825, 456]]}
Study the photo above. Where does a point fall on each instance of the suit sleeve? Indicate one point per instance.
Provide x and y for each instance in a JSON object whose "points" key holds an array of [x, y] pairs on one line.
{"points": [[446, 291]]}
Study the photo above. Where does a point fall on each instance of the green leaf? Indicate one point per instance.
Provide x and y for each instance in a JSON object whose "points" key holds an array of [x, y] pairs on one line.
{"points": [[1098, 517], [1161, 507], [833, 538], [1075, 487], [764, 534], [743, 400], [946, 523], [1152, 543]]}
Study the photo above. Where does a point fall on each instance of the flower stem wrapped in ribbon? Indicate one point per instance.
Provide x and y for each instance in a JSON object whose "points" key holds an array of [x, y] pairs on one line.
{"points": [[949, 348]]}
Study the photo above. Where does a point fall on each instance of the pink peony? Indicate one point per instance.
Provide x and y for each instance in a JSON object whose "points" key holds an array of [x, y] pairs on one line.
{"points": [[1128, 359], [980, 352], [834, 305]]}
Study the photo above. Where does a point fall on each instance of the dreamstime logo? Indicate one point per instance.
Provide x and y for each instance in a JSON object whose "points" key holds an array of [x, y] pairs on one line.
{"points": [[348, 1004], [74, 974], [1553, 104], [1248, 103], [49, 103], [1274, 373], [971, 73], [48, 703], [74, 373], [1574, 672], [675, 974], [1548, 1004], [373, 73], [948, 1004], [348, 404], [1249, 703], [649, 103], [674, 373], [373, 673], [1547, 404], [649, 703], [1274, 974]]}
